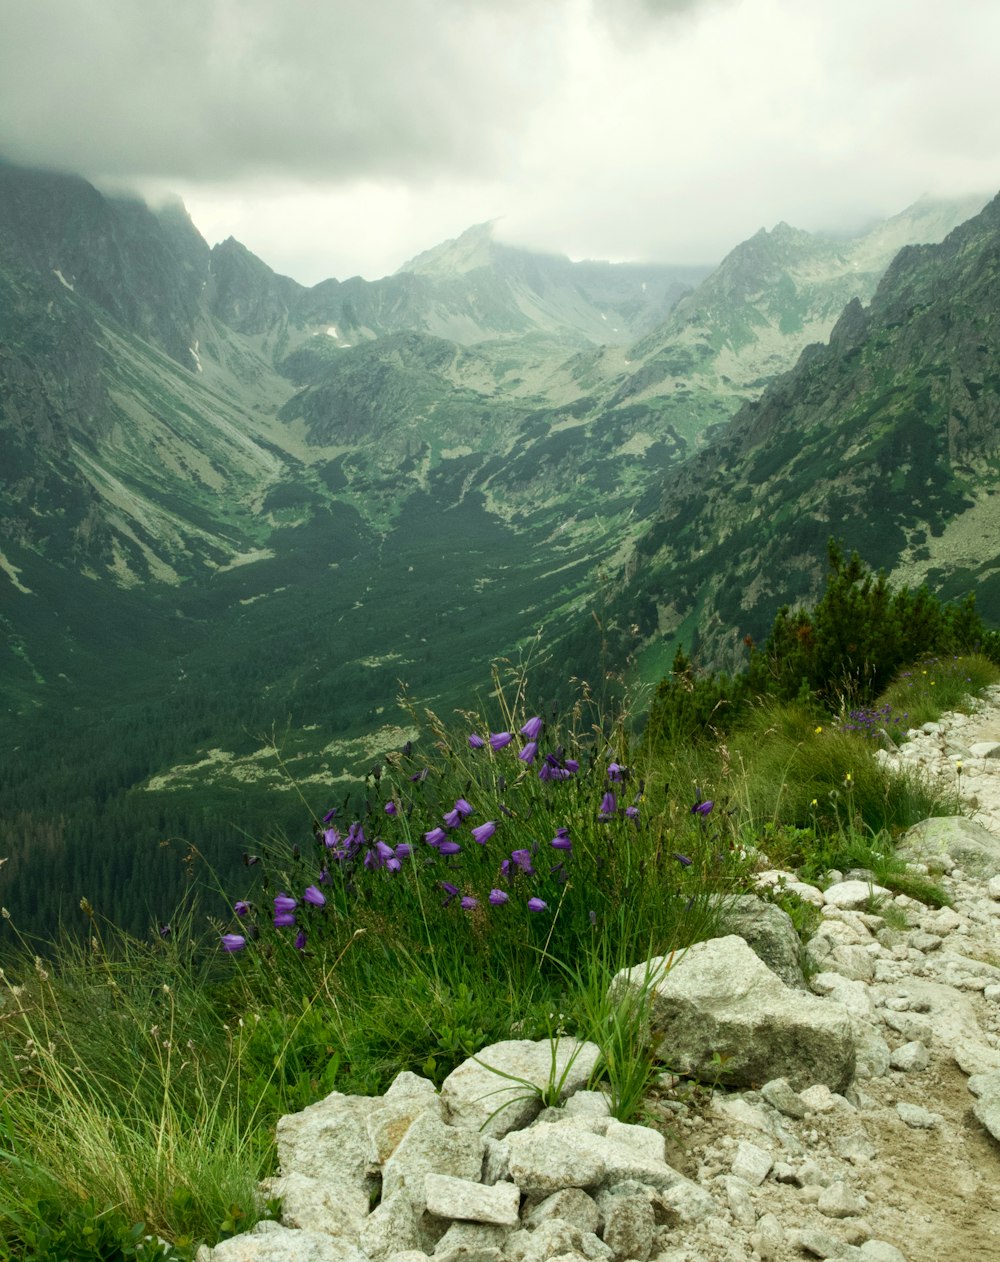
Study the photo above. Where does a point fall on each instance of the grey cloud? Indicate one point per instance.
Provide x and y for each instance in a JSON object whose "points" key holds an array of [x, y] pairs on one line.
{"points": [[225, 88]]}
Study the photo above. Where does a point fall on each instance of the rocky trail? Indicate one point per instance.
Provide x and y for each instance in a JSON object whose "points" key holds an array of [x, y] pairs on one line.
{"points": [[856, 1114]]}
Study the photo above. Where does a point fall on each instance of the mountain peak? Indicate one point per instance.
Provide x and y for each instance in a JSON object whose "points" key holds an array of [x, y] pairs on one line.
{"points": [[473, 249]]}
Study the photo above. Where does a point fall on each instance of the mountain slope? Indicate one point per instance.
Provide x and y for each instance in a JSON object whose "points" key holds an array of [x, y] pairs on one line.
{"points": [[888, 438]]}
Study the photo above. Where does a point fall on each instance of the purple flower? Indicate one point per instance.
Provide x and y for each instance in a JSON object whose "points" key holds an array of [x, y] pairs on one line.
{"points": [[536, 904], [571, 765], [300, 940], [463, 807], [330, 838], [283, 919], [452, 819], [314, 896], [484, 832], [329, 815], [435, 836], [632, 812], [403, 850], [451, 893], [532, 729], [549, 772], [499, 739], [233, 942], [683, 860], [523, 860], [530, 752], [469, 903], [561, 840], [284, 903], [702, 808], [498, 898], [616, 771], [390, 808], [449, 847], [609, 806], [241, 908], [476, 742]]}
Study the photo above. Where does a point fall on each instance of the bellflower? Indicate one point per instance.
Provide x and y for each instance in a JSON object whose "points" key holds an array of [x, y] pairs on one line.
{"points": [[484, 832], [390, 808], [435, 836], [609, 805], [241, 908], [314, 896], [233, 942], [523, 860], [300, 940], [571, 765], [283, 903], [561, 840], [702, 808], [452, 819], [464, 808], [451, 893], [469, 903], [498, 898], [403, 850], [330, 838], [329, 815], [683, 860], [532, 729], [476, 742], [530, 752], [536, 904], [283, 919], [616, 771], [499, 739], [449, 847], [632, 812]]}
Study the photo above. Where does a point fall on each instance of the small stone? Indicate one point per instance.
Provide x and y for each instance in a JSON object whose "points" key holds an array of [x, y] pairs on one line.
{"points": [[572, 1205], [840, 1201], [881, 1251], [740, 1203], [919, 1118], [911, 1057], [816, 1243], [852, 894], [448, 1197], [779, 1095], [628, 1226], [751, 1163], [769, 1237]]}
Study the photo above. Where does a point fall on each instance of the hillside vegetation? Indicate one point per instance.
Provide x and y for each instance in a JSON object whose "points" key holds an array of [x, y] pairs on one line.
{"points": [[493, 876]]}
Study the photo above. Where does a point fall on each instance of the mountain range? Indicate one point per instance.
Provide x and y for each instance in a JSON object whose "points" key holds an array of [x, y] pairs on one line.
{"points": [[236, 514]]}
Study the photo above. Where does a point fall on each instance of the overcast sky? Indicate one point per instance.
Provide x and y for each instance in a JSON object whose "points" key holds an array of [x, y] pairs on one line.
{"points": [[342, 137]]}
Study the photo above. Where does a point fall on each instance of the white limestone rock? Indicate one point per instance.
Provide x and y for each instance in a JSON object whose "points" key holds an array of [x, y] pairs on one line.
{"points": [[498, 1089], [390, 1228], [328, 1142], [852, 894], [448, 1197], [431, 1147], [720, 999], [283, 1244]]}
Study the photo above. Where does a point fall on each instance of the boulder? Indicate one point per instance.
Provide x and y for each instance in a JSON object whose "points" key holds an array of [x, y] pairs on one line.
{"points": [[718, 1013], [974, 848], [769, 933], [500, 1088]]}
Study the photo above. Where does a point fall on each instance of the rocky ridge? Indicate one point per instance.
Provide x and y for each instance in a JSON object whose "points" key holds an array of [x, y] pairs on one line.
{"points": [[860, 1120]]}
